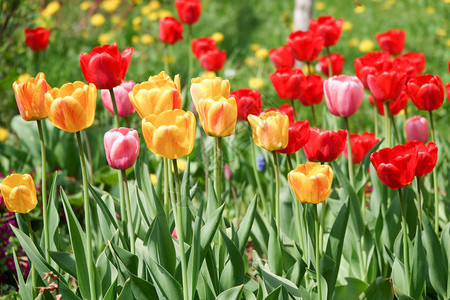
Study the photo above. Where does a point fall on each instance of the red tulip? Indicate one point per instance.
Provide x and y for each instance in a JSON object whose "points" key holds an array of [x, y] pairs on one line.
{"points": [[213, 60], [298, 136], [202, 45], [447, 88], [396, 106], [416, 129], [426, 91], [37, 39], [417, 59], [312, 92], [426, 157], [288, 83], [325, 145], [305, 44], [337, 62], [284, 109], [282, 57], [371, 63], [391, 41], [170, 30], [361, 144], [248, 102], [386, 86], [188, 10], [328, 28], [395, 167], [105, 66]]}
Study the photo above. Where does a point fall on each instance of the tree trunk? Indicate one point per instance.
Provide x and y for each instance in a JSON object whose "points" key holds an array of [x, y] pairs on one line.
{"points": [[302, 14]]}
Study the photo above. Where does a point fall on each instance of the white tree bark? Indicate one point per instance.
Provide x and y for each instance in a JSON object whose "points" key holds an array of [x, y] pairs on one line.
{"points": [[302, 14]]}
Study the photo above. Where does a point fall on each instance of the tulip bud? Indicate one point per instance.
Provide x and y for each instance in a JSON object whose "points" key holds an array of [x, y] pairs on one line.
{"points": [[121, 147], [170, 30], [416, 129], [227, 171], [37, 39]]}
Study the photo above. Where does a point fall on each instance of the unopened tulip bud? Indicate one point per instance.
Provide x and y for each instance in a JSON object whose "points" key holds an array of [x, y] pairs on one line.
{"points": [[416, 129], [228, 173]]}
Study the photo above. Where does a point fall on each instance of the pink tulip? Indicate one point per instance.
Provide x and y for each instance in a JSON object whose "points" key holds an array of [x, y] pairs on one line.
{"points": [[416, 129], [121, 147], [124, 106], [343, 95]]}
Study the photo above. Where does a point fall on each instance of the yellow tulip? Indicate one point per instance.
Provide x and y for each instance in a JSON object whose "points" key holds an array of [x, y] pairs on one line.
{"points": [[218, 115], [170, 134], [311, 182], [158, 94], [72, 107], [271, 130], [19, 193], [209, 88], [30, 97]]}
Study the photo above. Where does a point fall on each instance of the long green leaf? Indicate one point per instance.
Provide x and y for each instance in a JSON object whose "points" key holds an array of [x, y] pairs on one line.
{"points": [[234, 293], [233, 272], [65, 261], [166, 285], [126, 292], [210, 227], [379, 289], [418, 266], [142, 289], [25, 292], [53, 214], [194, 253], [274, 256], [245, 226]]}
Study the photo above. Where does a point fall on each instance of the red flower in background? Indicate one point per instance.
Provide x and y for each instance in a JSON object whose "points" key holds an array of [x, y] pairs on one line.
{"points": [[416, 59], [371, 63], [337, 62], [105, 66], [213, 60], [392, 41], [447, 88], [282, 57], [202, 45], [37, 38], [325, 145], [426, 91], [170, 30], [361, 144], [312, 92], [248, 102], [284, 109], [188, 10], [298, 136], [426, 157], [386, 86], [288, 83], [396, 106], [328, 28], [305, 44]]}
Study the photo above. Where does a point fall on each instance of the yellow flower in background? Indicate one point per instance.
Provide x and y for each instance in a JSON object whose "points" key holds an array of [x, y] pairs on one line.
{"points": [[250, 61], [110, 5], [85, 5], [135, 39], [97, 20], [441, 32], [85, 34], [360, 9], [347, 26], [446, 1], [136, 20], [270, 130], [254, 47], [3, 134], [19, 193], [366, 46], [104, 38], [353, 42], [208, 74], [147, 39], [255, 83], [218, 115], [23, 77], [153, 179], [169, 59], [164, 13], [447, 42], [115, 19], [319, 5], [154, 4], [146, 9], [217, 37], [182, 164], [51, 9], [262, 53], [430, 10], [152, 16]]}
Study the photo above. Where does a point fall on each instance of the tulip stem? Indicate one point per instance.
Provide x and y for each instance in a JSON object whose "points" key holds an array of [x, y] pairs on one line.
{"points": [[317, 226], [293, 108], [435, 183], [191, 65], [129, 218], [397, 136], [405, 240], [205, 160], [375, 112], [330, 65], [349, 150], [314, 120], [166, 59], [255, 172], [387, 125], [32, 268], [218, 170], [116, 112], [87, 217], [277, 192], [166, 187], [179, 227], [44, 192], [419, 202], [289, 160]]}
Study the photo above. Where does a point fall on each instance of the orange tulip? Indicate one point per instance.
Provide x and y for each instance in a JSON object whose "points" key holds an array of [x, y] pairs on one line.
{"points": [[19, 193], [158, 94], [218, 115], [311, 182], [271, 130], [30, 97], [72, 107], [170, 134], [209, 88]]}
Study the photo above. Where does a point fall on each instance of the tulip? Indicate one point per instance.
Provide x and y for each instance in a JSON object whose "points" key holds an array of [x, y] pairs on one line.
{"points": [[37, 39], [305, 44], [416, 129], [121, 147], [343, 95], [162, 78], [395, 166], [202, 45], [282, 57], [105, 66], [396, 106], [447, 89], [170, 134], [209, 88], [124, 106], [213, 60], [288, 83], [170, 30], [312, 92], [386, 86], [270, 130], [371, 63], [19, 193], [298, 136], [72, 107], [30, 97], [391, 41], [406, 66], [328, 28], [188, 10], [248, 102], [360, 145], [426, 91], [218, 115], [417, 59], [227, 172], [285, 109], [311, 182], [325, 145], [427, 156], [158, 94], [337, 62]]}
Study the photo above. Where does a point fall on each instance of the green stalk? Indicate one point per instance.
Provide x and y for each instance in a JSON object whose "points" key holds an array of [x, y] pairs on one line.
{"points": [[191, 65], [394, 125], [375, 112], [405, 241], [435, 183], [350, 154], [116, 111], [317, 226], [293, 108], [166, 59], [277, 192], [166, 187], [218, 169], [87, 217], [130, 220], [289, 160], [44, 192], [387, 125], [314, 119], [419, 202], [32, 268], [255, 171], [330, 65]]}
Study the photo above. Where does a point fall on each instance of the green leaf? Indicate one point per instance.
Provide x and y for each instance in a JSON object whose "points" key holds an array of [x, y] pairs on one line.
{"points": [[110, 293], [25, 292], [126, 293], [273, 281], [53, 214], [275, 294], [65, 261], [418, 266], [129, 260], [352, 290], [234, 293], [165, 284], [379, 289], [107, 272], [210, 227], [274, 256], [233, 272], [398, 276], [245, 226], [195, 259], [142, 289]]}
